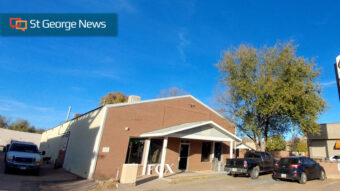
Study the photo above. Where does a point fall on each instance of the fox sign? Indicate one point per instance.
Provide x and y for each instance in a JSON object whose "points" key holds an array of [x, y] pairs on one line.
{"points": [[337, 73]]}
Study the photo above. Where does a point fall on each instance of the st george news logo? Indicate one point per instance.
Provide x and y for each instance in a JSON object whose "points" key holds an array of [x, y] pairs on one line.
{"points": [[18, 24]]}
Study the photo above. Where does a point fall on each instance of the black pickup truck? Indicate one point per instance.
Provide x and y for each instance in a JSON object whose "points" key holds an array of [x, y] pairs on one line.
{"points": [[252, 164]]}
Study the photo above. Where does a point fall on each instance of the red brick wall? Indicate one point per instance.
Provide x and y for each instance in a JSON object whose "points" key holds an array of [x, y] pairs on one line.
{"points": [[141, 118]]}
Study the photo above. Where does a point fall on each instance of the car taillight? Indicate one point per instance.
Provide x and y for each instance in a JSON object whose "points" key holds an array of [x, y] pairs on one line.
{"points": [[245, 164], [277, 165], [294, 165]]}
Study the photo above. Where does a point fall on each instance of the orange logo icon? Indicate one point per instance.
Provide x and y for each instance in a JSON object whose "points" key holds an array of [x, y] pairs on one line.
{"points": [[18, 24]]}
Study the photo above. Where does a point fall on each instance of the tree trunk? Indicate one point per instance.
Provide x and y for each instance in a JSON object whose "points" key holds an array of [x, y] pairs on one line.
{"points": [[260, 146]]}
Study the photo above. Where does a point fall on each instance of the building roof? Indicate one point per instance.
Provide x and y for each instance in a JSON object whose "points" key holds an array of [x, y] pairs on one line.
{"points": [[203, 130], [149, 101], [243, 146], [165, 99]]}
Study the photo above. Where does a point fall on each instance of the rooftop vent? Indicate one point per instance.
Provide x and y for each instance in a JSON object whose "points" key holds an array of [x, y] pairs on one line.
{"points": [[134, 99]]}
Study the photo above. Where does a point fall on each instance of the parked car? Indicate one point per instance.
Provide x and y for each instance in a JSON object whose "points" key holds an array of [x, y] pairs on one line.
{"points": [[252, 164], [335, 158], [23, 156], [298, 168]]}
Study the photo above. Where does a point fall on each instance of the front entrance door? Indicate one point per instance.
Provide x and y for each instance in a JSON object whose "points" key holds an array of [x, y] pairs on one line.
{"points": [[183, 156], [218, 150]]}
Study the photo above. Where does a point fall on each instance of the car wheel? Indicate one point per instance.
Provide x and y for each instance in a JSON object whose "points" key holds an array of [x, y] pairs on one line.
{"points": [[255, 172], [235, 175], [274, 178], [303, 178], [322, 175]]}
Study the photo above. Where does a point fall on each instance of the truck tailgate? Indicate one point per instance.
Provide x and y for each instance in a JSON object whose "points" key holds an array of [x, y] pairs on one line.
{"points": [[234, 163]]}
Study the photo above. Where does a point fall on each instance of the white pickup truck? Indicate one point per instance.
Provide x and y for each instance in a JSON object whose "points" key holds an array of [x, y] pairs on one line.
{"points": [[22, 156]]}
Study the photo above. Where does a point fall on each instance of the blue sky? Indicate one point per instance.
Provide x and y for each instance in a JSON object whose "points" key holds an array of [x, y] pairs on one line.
{"points": [[161, 44]]}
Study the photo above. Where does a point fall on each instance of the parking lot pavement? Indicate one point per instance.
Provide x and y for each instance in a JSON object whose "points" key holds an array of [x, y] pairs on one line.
{"points": [[223, 183], [49, 179]]}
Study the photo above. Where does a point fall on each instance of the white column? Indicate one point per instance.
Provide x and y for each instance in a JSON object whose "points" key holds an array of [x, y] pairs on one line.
{"points": [[165, 144], [231, 149], [213, 151], [145, 155]]}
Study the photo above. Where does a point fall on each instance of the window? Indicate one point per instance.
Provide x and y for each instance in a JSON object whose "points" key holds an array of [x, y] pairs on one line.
{"points": [[155, 151], [289, 161], [267, 156], [24, 148], [251, 154], [135, 151], [206, 151]]}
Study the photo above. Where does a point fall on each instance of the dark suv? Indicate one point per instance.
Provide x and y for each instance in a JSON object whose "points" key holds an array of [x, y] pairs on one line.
{"points": [[298, 168]]}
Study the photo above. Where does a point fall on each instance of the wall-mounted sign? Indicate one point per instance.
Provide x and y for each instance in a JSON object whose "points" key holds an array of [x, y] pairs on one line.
{"points": [[167, 168], [106, 149]]}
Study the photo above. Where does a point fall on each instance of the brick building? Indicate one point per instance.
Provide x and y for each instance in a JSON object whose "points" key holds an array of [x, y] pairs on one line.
{"points": [[161, 136]]}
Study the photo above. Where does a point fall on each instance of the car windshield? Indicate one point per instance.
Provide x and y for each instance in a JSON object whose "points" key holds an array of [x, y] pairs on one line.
{"points": [[24, 148], [252, 155], [289, 161]]}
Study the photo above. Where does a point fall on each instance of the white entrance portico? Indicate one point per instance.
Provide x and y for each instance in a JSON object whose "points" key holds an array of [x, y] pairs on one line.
{"points": [[202, 130]]}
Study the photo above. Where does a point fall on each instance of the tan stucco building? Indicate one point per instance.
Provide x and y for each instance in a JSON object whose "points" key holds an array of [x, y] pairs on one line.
{"points": [[325, 145], [162, 136]]}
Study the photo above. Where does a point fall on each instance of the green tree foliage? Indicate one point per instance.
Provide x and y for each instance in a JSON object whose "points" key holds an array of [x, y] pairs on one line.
{"points": [[270, 91], [276, 143], [18, 125], [298, 145], [3, 122], [302, 147], [113, 97], [294, 144]]}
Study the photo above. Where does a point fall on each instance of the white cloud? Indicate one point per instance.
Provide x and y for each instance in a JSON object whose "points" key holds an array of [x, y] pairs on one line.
{"points": [[183, 42], [326, 84], [12, 105]]}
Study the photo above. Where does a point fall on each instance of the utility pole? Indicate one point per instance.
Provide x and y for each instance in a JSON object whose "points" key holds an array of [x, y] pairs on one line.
{"points": [[68, 113], [337, 73]]}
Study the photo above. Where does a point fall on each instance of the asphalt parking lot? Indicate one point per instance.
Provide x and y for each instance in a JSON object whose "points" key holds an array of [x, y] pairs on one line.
{"points": [[223, 183], [50, 179]]}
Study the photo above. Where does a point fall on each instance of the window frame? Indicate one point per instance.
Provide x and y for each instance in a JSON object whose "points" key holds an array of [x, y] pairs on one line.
{"points": [[128, 150]]}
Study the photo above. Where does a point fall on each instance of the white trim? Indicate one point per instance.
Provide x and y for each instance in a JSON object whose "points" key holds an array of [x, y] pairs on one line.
{"points": [[200, 137], [243, 146], [231, 149], [97, 145], [146, 101], [213, 110], [146, 154], [151, 134], [171, 98], [149, 101], [213, 151], [164, 148]]}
